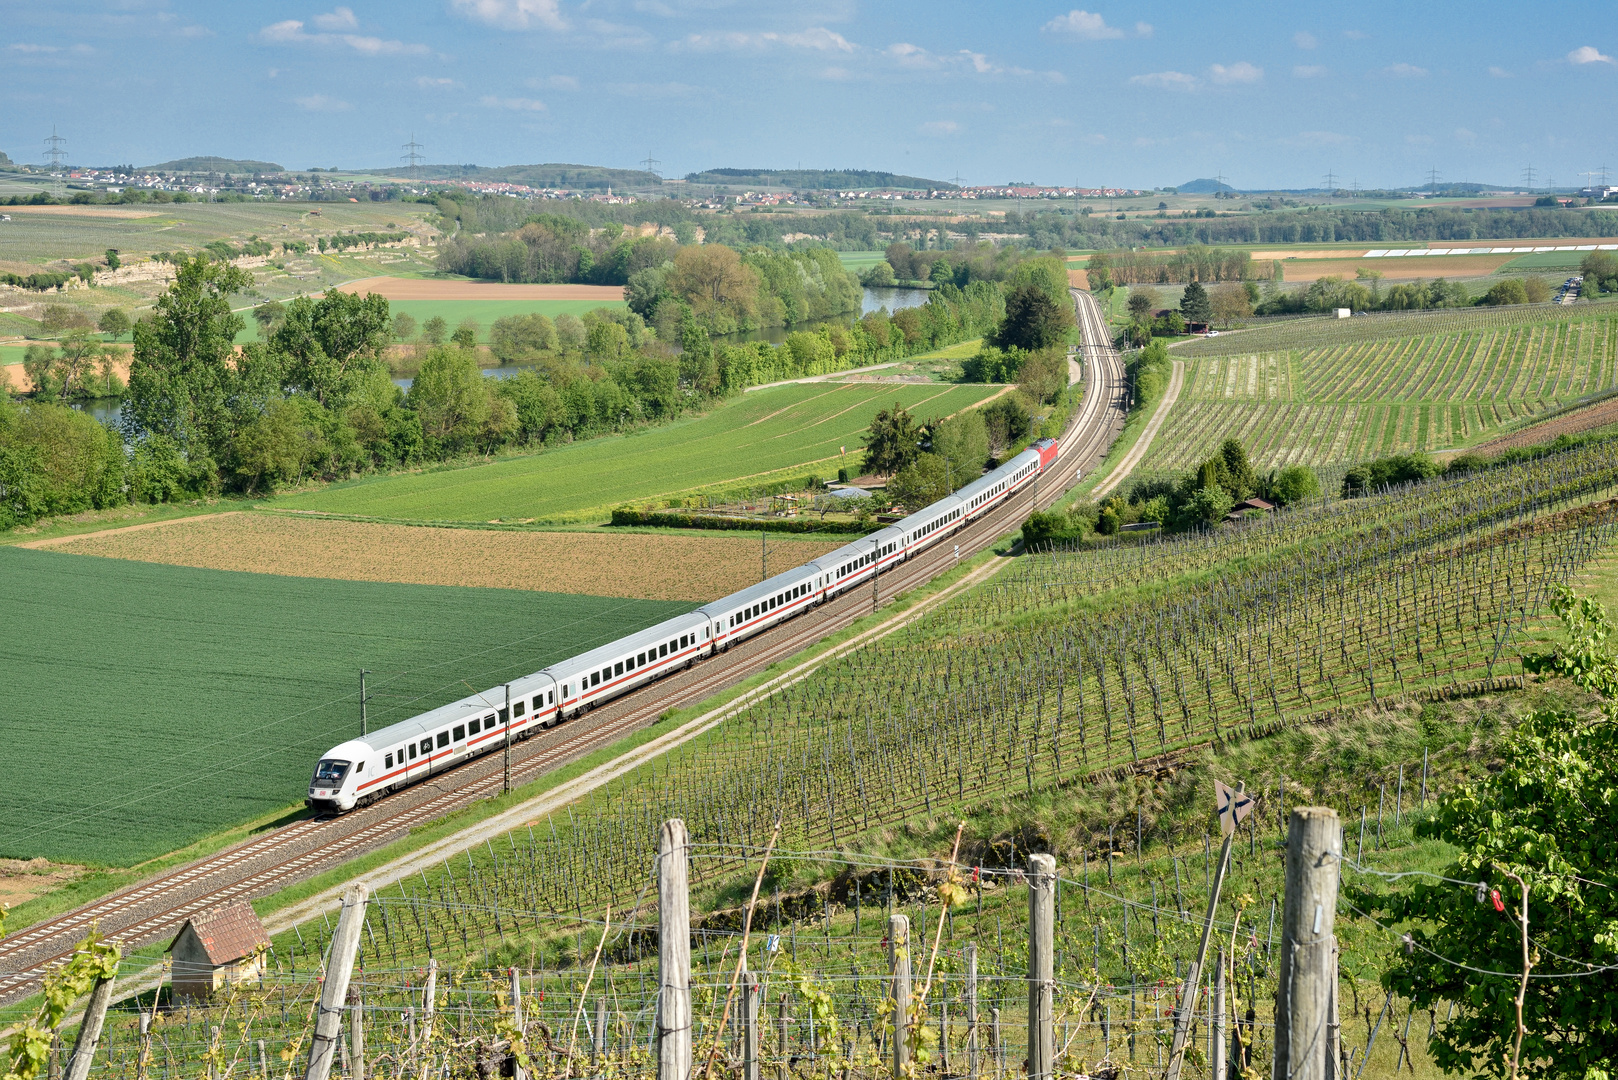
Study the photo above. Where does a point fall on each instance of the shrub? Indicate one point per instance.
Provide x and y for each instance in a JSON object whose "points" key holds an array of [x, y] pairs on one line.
{"points": [[1294, 484]]}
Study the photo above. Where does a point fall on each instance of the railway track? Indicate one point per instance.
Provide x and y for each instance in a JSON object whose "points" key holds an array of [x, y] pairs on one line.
{"points": [[145, 912]]}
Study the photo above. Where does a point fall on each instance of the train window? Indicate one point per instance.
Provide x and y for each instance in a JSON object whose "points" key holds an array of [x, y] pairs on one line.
{"points": [[476, 725], [595, 678], [460, 732], [663, 649], [520, 708], [387, 762], [502, 717], [412, 751], [618, 668], [640, 658], [443, 739]]}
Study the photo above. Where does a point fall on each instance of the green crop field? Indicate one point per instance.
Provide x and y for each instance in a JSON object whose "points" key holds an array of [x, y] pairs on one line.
{"points": [[69, 233], [147, 706], [1341, 403], [1566, 259], [784, 428]]}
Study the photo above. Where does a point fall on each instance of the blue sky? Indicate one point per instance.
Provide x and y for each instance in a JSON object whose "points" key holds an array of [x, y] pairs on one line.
{"points": [[1137, 94]]}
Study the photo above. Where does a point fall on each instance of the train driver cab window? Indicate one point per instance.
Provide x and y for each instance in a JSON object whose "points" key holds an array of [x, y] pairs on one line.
{"points": [[460, 732], [443, 739], [330, 773]]}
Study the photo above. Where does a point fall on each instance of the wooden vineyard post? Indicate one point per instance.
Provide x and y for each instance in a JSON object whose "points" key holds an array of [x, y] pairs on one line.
{"points": [[1217, 1022], [517, 1018], [598, 1044], [750, 1070], [781, 1036], [998, 1048], [429, 1007], [345, 942], [1041, 929], [899, 972], [1233, 807], [1335, 1068], [674, 954], [972, 1011], [356, 1033], [1308, 920], [95, 1014]]}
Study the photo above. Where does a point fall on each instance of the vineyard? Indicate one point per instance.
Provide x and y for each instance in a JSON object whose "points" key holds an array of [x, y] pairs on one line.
{"points": [[1069, 673], [1327, 404], [803, 426]]}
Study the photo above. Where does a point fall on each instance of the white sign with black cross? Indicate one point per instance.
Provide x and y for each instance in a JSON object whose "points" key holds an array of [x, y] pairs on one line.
{"points": [[1234, 806]]}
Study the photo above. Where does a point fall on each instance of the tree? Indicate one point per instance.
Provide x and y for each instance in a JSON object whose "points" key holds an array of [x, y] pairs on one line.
{"points": [[404, 326], [113, 261], [1505, 292], [1195, 305], [1033, 320], [1293, 484], [1541, 820], [1008, 423], [268, 315], [328, 346], [466, 334], [451, 397], [522, 337], [891, 442], [1143, 300], [721, 289], [962, 441], [879, 276], [1537, 289], [921, 483], [435, 331], [1600, 271], [1043, 375], [182, 379], [1230, 303], [1210, 504], [114, 322], [60, 318]]}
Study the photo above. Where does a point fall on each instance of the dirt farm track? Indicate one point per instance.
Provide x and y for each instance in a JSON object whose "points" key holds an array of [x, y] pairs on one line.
{"points": [[694, 568], [432, 289]]}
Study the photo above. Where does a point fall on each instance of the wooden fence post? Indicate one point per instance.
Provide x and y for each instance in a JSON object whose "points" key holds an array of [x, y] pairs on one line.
{"points": [[345, 942], [517, 1019], [598, 1044], [750, 1070], [674, 954], [1041, 927], [429, 1007], [972, 1011], [356, 1032], [1307, 943], [1217, 1023], [781, 1036], [95, 1014], [899, 969]]}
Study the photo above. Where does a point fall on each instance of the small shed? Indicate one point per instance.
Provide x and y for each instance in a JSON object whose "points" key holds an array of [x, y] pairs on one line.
{"points": [[1254, 503], [216, 948]]}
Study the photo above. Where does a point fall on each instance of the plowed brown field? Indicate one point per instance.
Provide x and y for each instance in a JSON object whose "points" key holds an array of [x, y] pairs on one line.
{"points": [[635, 565], [428, 289]]}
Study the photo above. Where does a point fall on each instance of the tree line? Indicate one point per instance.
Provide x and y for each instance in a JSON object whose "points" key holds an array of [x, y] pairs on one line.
{"points": [[314, 400], [1196, 262]]}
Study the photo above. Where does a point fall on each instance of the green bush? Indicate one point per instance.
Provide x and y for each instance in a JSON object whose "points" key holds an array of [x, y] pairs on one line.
{"points": [[1294, 484]]}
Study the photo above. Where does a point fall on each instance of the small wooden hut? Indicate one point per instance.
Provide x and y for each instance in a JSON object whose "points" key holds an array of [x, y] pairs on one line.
{"points": [[218, 947]]}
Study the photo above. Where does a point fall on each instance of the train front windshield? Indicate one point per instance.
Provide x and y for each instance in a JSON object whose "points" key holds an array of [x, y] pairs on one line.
{"points": [[330, 773]]}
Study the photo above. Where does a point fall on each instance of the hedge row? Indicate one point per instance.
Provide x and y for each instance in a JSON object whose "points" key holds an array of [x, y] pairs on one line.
{"points": [[625, 515]]}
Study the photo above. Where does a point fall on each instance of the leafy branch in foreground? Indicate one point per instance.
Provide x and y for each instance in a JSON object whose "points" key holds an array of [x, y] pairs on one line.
{"points": [[30, 1045], [1543, 821]]}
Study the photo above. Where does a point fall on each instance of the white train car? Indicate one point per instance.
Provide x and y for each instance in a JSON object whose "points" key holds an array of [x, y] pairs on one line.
{"points": [[759, 607], [618, 667], [358, 771]]}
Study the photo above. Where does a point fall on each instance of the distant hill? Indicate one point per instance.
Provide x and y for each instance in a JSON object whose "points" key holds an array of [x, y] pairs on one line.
{"points": [[550, 175], [815, 179], [1204, 186], [214, 165]]}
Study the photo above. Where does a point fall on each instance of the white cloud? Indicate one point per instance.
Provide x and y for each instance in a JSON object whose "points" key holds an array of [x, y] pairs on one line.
{"points": [[341, 18], [1419, 140], [1239, 72], [512, 14], [1500, 73], [1308, 71], [1166, 80], [1083, 24], [1404, 71], [836, 74], [322, 103], [1465, 135], [1588, 54], [291, 32], [816, 38], [940, 127], [515, 104], [1355, 35], [25, 47], [562, 82], [427, 82], [1319, 138], [911, 56], [1143, 29], [1303, 39]]}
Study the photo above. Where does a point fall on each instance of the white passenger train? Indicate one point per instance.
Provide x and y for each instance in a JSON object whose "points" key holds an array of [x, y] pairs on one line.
{"points": [[362, 770]]}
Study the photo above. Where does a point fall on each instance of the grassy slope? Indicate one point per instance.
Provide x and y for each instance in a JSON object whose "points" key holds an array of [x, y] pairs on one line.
{"points": [[149, 706], [789, 427]]}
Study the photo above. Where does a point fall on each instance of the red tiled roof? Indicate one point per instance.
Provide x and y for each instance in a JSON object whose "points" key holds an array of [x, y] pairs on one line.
{"points": [[227, 933]]}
